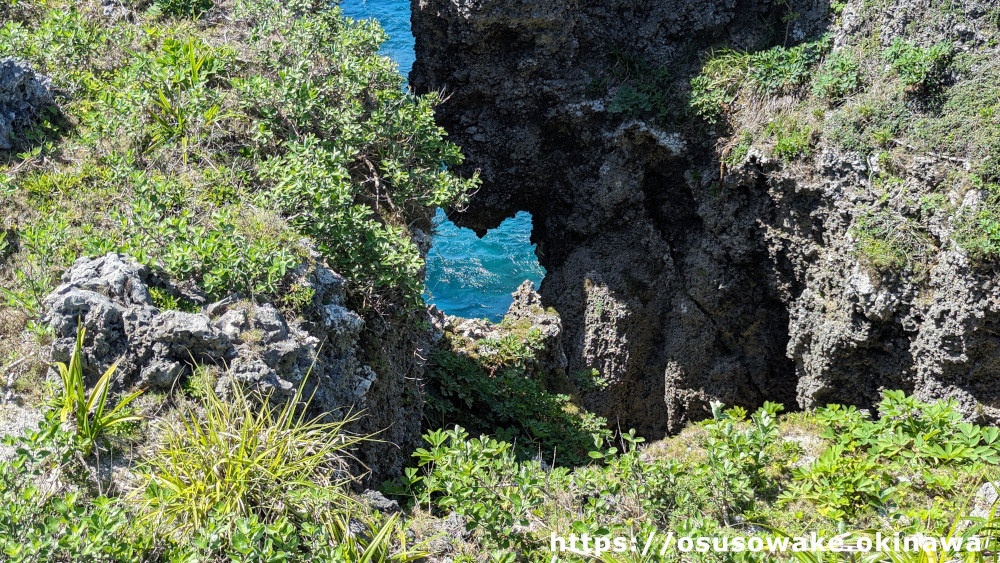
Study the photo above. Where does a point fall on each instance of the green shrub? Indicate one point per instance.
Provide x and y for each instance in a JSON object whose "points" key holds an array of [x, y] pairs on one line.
{"points": [[336, 538], [38, 524], [854, 473], [481, 479], [183, 8], [839, 76], [840, 483], [42, 523], [739, 454], [166, 301], [922, 69], [495, 386], [792, 140], [910, 430], [214, 169], [630, 101]]}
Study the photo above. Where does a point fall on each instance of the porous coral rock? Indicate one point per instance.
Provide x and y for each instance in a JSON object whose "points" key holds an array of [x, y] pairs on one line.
{"points": [[24, 94]]}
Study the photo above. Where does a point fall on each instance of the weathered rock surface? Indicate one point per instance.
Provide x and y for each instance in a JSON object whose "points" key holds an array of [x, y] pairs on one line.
{"points": [[678, 291], [24, 94], [525, 314], [253, 345]]}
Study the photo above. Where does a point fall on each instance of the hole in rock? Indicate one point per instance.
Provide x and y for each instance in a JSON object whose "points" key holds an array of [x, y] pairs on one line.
{"points": [[473, 277], [466, 276]]}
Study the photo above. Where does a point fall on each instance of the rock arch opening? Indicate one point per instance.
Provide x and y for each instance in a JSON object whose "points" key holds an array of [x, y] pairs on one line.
{"points": [[474, 277]]}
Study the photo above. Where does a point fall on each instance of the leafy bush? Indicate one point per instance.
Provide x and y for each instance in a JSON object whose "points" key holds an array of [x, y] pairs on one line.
{"points": [[854, 473], [630, 101], [42, 524], [792, 140], [739, 455], [494, 385], [839, 76], [978, 231], [840, 483], [183, 8], [38, 524], [922, 69], [214, 168], [733, 470], [337, 538], [908, 429], [479, 478]]}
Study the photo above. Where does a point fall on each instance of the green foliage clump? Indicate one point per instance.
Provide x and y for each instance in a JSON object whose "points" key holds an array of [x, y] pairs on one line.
{"points": [[183, 8], [856, 471], [246, 459], [630, 101], [841, 484], [888, 241], [480, 478], [792, 140], [39, 524], [978, 231], [220, 168], [167, 301], [716, 477], [89, 416], [640, 88], [838, 77], [732, 77], [740, 452], [922, 69], [495, 385], [505, 499]]}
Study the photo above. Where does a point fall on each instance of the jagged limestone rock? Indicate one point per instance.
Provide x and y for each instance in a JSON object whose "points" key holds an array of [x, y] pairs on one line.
{"points": [[24, 94], [252, 344]]}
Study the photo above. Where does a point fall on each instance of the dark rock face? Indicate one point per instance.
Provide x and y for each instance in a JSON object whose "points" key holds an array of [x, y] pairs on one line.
{"points": [[658, 288], [678, 291], [23, 95]]}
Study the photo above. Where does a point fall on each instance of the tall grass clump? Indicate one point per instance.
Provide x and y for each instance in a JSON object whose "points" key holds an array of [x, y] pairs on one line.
{"points": [[244, 457]]}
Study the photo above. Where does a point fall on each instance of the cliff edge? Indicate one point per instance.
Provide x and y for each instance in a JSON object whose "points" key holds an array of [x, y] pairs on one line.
{"points": [[740, 200]]}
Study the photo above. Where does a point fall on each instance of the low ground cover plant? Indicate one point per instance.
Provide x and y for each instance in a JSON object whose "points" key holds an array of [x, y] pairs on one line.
{"points": [[913, 468], [495, 385]]}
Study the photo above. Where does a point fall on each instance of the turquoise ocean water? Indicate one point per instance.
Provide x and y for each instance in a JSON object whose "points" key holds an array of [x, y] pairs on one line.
{"points": [[466, 276]]}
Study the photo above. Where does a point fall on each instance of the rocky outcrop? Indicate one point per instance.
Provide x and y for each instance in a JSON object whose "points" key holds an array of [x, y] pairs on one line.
{"points": [[638, 267], [525, 314], [24, 94], [250, 344], [679, 286]]}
